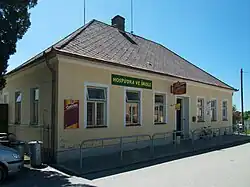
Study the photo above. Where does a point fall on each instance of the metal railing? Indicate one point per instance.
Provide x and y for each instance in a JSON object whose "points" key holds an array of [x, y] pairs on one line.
{"points": [[118, 142], [177, 139]]}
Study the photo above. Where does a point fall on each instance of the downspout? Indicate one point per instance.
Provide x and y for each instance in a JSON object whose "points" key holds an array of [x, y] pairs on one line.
{"points": [[53, 107]]}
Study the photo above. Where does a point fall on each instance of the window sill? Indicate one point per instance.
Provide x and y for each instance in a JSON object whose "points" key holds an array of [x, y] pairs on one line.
{"points": [[160, 123], [225, 120], [96, 127], [200, 121], [213, 120], [132, 125]]}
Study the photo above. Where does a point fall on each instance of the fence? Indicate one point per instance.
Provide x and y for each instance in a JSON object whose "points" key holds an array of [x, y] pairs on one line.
{"points": [[157, 145], [114, 144]]}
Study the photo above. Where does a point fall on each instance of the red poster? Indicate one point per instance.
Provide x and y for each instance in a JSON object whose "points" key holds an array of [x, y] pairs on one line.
{"points": [[71, 114]]}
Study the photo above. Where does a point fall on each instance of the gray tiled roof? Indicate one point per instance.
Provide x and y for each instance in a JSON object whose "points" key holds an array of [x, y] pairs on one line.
{"points": [[101, 41]]}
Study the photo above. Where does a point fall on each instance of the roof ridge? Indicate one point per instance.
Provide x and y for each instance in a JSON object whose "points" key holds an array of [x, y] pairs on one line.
{"points": [[63, 42]]}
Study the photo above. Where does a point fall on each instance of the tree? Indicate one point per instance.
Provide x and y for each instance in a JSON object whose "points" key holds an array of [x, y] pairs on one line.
{"points": [[247, 115], [236, 115], [14, 22]]}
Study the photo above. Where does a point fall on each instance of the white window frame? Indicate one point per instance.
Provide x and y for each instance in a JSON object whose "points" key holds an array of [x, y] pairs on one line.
{"points": [[224, 118], [97, 85], [165, 106], [125, 102], [216, 107], [204, 108]]}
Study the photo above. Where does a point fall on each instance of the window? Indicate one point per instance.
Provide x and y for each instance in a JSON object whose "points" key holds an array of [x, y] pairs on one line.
{"points": [[18, 100], [224, 110], [213, 110], [133, 108], [96, 107], [160, 109], [200, 109], [5, 98], [34, 105]]}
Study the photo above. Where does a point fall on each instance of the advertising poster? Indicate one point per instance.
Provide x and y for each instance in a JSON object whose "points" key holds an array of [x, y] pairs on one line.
{"points": [[71, 114]]}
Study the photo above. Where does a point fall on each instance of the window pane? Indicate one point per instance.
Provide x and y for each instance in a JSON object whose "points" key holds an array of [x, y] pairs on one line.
{"points": [[213, 103], [161, 114], [213, 114], [156, 113], [36, 94], [224, 112], [18, 97], [159, 99], [90, 113], [135, 113], [133, 96], [100, 114], [35, 112], [5, 99], [96, 94], [128, 113], [224, 104], [200, 102], [18, 112]]}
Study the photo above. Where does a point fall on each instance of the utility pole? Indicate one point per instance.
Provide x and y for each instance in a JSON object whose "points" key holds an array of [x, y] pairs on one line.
{"points": [[242, 101], [84, 12]]}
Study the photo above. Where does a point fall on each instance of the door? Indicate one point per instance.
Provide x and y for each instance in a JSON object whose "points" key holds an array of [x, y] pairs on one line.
{"points": [[185, 116], [179, 115], [4, 118]]}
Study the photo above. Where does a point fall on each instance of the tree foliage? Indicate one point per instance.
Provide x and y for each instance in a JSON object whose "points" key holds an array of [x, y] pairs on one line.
{"points": [[236, 115], [14, 22]]}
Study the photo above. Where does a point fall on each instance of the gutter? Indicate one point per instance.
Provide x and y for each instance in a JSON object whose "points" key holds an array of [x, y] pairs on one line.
{"points": [[53, 108]]}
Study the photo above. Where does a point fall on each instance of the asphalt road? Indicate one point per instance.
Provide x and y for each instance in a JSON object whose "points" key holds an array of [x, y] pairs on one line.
{"points": [[47, 177], [224, 168]]}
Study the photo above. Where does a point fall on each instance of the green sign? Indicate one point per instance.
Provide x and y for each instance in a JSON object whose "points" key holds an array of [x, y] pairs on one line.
{"points": [[130, 81]]}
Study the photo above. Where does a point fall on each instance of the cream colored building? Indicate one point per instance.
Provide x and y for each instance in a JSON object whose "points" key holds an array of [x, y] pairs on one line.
{"points": [[87, 66]]}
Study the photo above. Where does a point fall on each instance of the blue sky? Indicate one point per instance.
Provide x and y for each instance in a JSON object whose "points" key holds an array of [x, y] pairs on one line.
{"points": [[215, 35]]}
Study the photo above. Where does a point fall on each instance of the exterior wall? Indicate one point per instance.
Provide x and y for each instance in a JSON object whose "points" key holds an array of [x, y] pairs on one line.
{"points": [[74, 73], [38, 76]]}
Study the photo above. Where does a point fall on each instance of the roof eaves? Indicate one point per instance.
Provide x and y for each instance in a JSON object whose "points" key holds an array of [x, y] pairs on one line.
{"points": [[58, 44], [66, 40], [30, 61], [63, 52]]}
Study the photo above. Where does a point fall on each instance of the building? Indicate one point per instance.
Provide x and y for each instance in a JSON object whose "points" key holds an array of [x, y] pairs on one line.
{"points": [[101, 81]]}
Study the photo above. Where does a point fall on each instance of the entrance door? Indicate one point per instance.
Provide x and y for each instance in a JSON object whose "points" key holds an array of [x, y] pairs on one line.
{"points": [[182, 115], [179, 115]]}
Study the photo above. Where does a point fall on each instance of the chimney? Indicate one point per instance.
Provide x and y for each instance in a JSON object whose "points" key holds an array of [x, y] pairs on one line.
{"points": [[119, 22]]}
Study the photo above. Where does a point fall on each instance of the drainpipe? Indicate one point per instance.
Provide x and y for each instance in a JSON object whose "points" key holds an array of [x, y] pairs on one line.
{"points": [[53, 106]]}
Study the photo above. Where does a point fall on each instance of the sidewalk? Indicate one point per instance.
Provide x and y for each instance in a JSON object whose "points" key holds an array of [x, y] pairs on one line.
{"points": [[96, 165]]}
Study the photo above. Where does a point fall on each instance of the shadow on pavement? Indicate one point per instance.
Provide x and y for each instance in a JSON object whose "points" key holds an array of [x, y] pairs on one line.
{"points": [[160, 160], [41, 178]]}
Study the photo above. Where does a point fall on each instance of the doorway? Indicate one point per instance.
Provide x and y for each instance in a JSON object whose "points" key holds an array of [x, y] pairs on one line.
{"points": [[182, 115]]}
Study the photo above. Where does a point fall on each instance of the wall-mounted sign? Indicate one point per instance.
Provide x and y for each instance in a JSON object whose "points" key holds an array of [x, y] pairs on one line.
{"points": [[179, 88], [71, 114], [178, 106], [130, 81]]}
